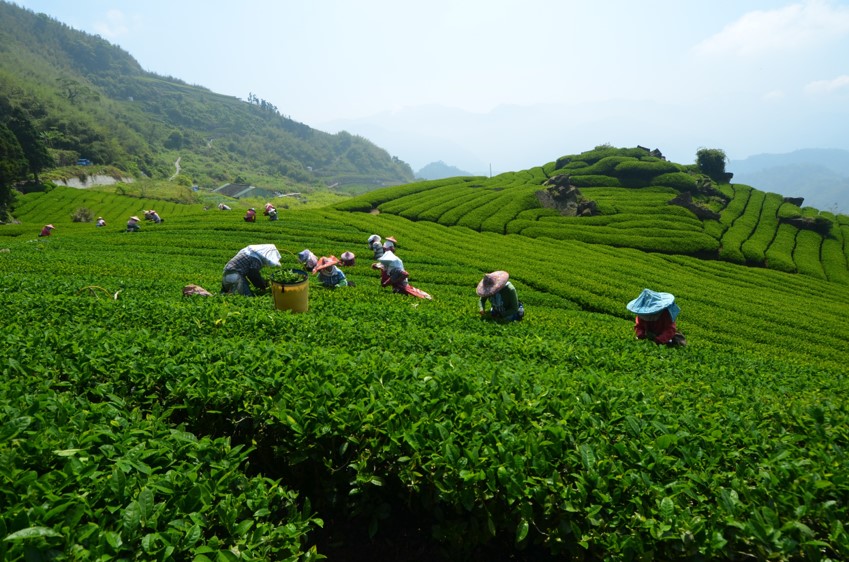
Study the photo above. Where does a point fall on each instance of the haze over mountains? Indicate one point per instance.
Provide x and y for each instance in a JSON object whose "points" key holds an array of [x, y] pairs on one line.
{"points": [[821, 176], [180, 117]]}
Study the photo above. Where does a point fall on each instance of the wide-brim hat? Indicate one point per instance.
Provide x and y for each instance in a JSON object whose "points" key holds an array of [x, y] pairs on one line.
{"points": [[268, 254], [652, 302], [347, 258], [324, 262], [391, 261], [492, 283], [134, 218], [49, 226], [303, 255], [391, 239]]}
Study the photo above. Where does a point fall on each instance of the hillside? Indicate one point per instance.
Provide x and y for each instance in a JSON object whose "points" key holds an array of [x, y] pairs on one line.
{"points": [[376, 425], [640, 201], [89, 99]]}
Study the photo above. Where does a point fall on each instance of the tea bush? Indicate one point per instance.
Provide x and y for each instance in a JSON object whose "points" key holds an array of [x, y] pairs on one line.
{"points": [[140, 423]]}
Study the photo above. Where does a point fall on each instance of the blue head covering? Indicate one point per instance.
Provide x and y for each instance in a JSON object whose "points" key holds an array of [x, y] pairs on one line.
{"points": [[652, 302]]}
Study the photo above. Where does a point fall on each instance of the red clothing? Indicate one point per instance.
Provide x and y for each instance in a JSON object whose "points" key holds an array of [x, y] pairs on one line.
{"points": [[45, 231], [250, 216], [397, 279], [662, 329]]}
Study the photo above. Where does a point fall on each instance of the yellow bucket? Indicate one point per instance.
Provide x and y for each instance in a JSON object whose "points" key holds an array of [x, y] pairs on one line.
{"points": [[291, 296]]}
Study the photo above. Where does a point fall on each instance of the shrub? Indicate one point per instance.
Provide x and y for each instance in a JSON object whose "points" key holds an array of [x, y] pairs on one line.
{"points": [[644, 169], [594, 181], [83, 214], [677, 180], [711, 162]]}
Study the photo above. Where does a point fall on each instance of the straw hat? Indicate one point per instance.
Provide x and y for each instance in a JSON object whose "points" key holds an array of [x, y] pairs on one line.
{"points": [[135, 218], [348, 258], [50, 226], [391, 239], [651, 302], [324, 262], [492, 283]]}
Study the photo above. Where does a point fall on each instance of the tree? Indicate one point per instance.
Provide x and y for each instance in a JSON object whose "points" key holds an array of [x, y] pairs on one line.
{"points": [[29, 140], [13, 167], [711, 162]]}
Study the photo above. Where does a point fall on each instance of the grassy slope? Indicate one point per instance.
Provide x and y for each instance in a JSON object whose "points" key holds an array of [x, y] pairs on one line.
{"points": [[764, 376]]}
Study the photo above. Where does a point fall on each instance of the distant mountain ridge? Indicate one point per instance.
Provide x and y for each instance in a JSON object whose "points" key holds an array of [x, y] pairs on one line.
{"points": [[440, 170], [820, 176]]}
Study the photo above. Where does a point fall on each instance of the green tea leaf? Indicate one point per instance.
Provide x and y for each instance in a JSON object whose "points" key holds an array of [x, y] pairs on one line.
{"points": [[32, 532]]}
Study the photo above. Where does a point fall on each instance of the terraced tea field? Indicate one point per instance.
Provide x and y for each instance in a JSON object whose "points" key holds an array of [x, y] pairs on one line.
{"points": [[139, 424]]}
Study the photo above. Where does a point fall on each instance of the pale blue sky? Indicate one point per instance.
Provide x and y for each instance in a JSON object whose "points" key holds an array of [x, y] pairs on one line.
{"points": [[748, 76]]}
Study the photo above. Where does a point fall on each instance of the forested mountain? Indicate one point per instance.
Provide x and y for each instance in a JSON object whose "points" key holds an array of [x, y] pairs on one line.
{"points": [[87, 98]]}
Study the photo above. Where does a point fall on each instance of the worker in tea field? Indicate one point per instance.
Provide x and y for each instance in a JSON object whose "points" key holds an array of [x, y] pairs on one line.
{"points": [[270, 212], [250, 215], [307, 259], [245, 267], [133, 224], [389, 245], [152, 215], [656, 313], [48, 228], [375, 245], [392, 273], [100, 222], [223, 207], [348, 258], [330, 275], [503, 300]]}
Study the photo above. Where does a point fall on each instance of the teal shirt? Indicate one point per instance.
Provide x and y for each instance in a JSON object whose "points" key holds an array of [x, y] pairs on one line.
{"points": [[332, 277], [504, 303]]}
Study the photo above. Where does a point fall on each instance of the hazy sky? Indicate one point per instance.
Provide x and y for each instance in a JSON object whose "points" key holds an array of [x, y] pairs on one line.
{"points": [[748, 76]]}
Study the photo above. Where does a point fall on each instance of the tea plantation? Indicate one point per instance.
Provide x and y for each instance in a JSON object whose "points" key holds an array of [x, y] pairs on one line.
{"points": [[138, 424]]}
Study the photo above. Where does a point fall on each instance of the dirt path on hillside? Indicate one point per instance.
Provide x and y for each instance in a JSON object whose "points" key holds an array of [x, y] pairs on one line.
{"points": [[177, 166]]}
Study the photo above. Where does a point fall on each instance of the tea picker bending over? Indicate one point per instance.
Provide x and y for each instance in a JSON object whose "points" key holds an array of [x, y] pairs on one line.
{"points": [[245, 266], [250, 215], [656, 313], [330, 275], [133, 224], [152, 215], [392, 273], [307, 259], [348, 258], [270, 211], [375, 246], [504, 302]]}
